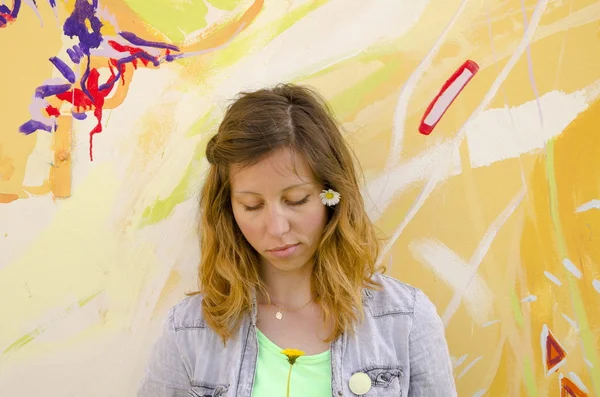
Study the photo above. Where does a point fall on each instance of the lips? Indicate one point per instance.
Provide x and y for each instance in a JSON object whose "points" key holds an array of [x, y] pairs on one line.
{"points": [[283, 247], [284, 251]]}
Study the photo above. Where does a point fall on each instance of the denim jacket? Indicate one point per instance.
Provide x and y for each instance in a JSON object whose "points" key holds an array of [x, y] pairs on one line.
{"points": [[400, 345]]}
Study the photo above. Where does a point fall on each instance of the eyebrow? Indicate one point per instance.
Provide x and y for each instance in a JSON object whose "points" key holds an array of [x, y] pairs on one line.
{"points": [[284, 190]]}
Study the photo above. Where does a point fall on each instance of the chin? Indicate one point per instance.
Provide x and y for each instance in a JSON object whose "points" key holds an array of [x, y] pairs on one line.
{"points": [[288, 265]]}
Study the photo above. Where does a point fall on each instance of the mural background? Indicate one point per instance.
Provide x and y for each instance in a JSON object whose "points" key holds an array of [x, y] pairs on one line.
{"points": [[106, 107]]}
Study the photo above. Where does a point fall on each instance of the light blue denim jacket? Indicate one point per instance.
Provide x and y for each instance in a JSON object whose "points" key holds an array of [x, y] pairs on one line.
{"points": [[400, 345]]}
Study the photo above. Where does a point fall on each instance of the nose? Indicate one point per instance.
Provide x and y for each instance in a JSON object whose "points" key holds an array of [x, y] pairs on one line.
{"points": [[277, 222]]}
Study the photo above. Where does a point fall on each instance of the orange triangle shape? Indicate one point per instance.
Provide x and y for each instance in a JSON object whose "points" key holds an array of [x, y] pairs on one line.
{"points": [[554, 351], [569, 389]]}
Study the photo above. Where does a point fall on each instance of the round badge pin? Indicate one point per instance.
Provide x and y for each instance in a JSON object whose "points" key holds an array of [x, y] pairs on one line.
{"points": [[360, 383]]}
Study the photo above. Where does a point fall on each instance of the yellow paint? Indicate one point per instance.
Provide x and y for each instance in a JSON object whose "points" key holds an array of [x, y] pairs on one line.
{"points": [[123, 229], [174, 18], [60, 171]]}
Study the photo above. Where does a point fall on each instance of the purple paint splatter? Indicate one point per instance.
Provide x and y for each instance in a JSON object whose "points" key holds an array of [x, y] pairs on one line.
{"points": [[133, 39], [75, 25], [16, 7], [33, 125], [75, 54], [125, 60], [79, 116], [63, 68], [49, 90]]}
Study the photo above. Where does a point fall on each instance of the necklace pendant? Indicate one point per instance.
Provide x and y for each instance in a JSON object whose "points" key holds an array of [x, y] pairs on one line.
{"points": [[278, 315]]}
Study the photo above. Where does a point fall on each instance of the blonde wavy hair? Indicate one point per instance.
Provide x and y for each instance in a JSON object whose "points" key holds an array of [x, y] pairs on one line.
{"points": [[255, 125]]}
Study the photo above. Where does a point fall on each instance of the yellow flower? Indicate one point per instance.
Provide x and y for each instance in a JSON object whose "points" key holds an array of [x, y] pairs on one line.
{"points": [[292, 355]]}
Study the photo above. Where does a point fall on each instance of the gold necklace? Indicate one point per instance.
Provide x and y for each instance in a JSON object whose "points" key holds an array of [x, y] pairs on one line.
{"points": [[279, 314]]}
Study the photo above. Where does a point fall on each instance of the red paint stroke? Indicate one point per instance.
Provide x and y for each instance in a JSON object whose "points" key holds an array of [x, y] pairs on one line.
{"points": [[554, 352], [95, 93], [5, 17], [52, 111], [448, 93], [132, 51], [568, 388], [83, 102]]}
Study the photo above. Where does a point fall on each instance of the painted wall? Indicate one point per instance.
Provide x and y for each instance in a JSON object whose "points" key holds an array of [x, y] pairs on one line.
{"points": [[105, 111]]}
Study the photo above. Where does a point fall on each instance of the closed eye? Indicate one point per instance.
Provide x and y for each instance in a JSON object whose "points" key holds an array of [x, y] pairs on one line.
{"points": [[303, 201], [256, 207], [292, 203]]}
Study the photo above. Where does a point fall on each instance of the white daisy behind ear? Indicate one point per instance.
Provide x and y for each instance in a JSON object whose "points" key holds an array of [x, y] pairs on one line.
{"points": [[329, 197]]}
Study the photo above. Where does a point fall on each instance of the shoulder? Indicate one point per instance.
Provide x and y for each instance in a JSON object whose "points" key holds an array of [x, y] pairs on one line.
{"points": [[396, 297], [187, 314]]}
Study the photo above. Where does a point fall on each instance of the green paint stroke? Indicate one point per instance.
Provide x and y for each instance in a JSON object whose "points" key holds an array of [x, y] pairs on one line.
{"points": [[205, 123], [161, 209], [516, 306], [356, 97], [85, 301], [590, 351], [529, 378], [173, 18], [554, 212], [22, 341], [188, 184]]}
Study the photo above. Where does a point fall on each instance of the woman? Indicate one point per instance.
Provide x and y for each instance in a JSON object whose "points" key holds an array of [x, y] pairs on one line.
{"points": [[288, 261]]}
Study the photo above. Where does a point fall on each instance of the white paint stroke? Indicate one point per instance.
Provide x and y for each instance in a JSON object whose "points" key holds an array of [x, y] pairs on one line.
{"points": [[31, 3], [571, 322], [481, 251], [412, 211], [552, 278], [460, 360], [590, 205], [563, 45], [530, 298], [480, 393], [387, 186], [570, 266], [275, 60], [530, 70], [408, 88], [513, 125], [468, 367], [596, 285], [457, 139], [490, 323], [460, 276], [493, 135], [525, 40], [588, 363], [211, 49]]}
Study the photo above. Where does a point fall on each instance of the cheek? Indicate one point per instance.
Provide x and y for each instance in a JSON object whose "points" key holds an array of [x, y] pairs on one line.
{"points": [[314, 223], [247, 226]]}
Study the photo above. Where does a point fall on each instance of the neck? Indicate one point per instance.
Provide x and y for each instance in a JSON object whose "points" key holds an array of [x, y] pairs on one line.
{"points": [[287, 288]]}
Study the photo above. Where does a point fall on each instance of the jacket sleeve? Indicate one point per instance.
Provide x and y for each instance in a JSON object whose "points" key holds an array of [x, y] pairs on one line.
{"points": [[166, 373], [430, 365]]}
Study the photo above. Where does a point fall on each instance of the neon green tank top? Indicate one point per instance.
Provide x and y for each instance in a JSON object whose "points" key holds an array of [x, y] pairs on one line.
{"points": [[311, 375]]}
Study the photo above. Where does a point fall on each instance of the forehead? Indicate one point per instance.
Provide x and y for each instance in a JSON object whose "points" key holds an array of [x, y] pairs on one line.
{"points": [[278, 170]]}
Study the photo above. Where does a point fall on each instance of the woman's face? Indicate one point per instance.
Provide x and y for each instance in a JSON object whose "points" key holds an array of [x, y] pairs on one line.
{"points": [[277, 207]]}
